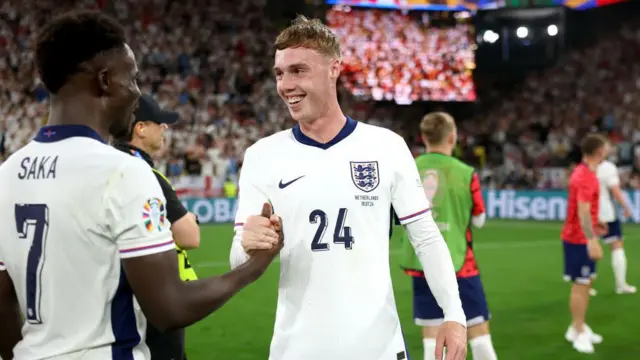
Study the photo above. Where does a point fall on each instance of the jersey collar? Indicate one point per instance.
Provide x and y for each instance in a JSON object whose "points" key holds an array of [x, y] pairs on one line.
{"points": [[53, 133], [348, 128], [438, 153], [586, 166], [133, 151]]}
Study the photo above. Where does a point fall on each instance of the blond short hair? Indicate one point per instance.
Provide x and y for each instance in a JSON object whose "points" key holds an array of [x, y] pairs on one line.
{"points": [[310, 34], [436, 126]]}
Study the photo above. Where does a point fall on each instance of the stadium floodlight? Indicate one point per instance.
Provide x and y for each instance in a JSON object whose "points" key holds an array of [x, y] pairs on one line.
{"points": [[522, 32], [552, 30], [490, 36]]}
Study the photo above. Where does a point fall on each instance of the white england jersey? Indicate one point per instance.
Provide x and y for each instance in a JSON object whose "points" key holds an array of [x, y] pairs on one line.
{"points": [[335, 297], [71, 208], [607, 174]]}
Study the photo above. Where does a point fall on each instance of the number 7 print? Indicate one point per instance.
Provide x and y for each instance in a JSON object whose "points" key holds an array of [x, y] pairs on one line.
{"points": [[37, 216]]}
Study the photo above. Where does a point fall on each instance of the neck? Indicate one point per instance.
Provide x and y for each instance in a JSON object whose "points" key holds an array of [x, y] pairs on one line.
{"points": [[440, 149], [78, 110], [325, 128], [590, 162], [138, 143]]}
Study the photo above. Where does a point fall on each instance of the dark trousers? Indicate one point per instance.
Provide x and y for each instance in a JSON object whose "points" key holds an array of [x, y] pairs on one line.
{"points": [[165, 346]]}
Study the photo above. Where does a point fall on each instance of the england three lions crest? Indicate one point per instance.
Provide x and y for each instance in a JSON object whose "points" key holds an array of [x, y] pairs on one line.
{"points": [[365, 175]]}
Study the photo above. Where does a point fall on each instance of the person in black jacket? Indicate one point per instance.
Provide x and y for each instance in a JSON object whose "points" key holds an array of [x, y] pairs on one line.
{"points": [[145, 138]]}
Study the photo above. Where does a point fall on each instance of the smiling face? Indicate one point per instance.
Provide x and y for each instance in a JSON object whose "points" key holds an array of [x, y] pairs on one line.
{"points": [[306, 81], [307, 66]]}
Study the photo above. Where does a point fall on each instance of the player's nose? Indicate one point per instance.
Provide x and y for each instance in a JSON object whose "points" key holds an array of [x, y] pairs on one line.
{"points": [[287, 84]]}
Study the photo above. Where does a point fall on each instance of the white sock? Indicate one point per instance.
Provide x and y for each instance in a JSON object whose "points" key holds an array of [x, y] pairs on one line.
{"points": [[429, 348], [619, 265], [482, 348]]}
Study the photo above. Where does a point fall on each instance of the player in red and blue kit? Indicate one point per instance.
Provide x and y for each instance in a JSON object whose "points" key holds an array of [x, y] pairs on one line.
{"points": [[580, 239], [453, 188]]}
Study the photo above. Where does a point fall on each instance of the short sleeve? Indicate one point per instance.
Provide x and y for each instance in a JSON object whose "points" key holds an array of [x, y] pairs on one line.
{"points": [[584, 193], [407, 193], [611, 176], [250, 197], [584, 190], [137, 212], [175, 209]]}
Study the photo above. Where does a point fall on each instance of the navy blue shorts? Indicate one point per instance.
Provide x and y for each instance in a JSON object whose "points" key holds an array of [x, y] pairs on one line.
{"points": [[578, 267], [426, 311], [614, 232]]}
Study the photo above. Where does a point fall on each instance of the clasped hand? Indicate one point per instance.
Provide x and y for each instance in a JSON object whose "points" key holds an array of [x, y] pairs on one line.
{"points": [[262, 232]]}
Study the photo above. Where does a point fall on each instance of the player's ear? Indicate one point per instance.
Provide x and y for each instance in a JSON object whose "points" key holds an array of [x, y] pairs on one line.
{"points": [[452, 138], [104, 80], [334, 69], [138, 129], [424, 140]]}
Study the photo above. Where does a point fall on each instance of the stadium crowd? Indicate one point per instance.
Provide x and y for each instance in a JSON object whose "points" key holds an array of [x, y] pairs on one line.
{"points": [[539, 125], [218, 77], [392, 56]]}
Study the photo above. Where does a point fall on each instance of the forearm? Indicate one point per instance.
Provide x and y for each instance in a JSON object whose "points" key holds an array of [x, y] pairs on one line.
{"points": [[186, 232], [434, 255], [10, 328], [617, 194], [586, 224], [196, 300], [170, 303]]}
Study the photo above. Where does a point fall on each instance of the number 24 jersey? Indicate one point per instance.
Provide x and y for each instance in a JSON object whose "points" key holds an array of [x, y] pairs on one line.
{"points": [[335, 298]]}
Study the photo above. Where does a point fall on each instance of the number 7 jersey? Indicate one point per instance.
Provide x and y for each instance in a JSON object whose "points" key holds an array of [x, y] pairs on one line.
{"points": [[71, 208], [335, 298]]}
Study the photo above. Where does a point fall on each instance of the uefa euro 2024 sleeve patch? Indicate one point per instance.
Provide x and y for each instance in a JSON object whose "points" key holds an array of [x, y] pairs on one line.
{"points": [[154, 215]]}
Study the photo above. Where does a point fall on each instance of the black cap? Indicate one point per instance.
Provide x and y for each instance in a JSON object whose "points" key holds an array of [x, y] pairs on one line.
{"points": [[149, 110]]}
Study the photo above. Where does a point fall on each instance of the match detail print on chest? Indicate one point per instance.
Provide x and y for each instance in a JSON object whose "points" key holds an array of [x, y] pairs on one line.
{"points": [[325, 179]]}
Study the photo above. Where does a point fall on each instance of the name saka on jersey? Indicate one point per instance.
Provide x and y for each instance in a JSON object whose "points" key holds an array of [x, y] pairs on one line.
{"points": [[335, 298], [74, 207]]}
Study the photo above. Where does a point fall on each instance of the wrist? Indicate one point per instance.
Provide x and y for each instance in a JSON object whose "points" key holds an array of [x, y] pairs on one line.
{"points": [[457, 315]]}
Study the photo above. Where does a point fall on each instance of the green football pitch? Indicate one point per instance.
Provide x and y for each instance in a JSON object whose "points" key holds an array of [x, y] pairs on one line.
{"points": [[521, 267]]}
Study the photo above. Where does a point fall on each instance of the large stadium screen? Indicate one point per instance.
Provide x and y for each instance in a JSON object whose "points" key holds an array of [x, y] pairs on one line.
{"points": [[586, 4], [390, 55], [458, 5], [433, 5]]}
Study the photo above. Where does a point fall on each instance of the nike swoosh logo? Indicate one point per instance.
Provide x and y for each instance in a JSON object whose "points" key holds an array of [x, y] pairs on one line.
{"points": [[284, 185]]}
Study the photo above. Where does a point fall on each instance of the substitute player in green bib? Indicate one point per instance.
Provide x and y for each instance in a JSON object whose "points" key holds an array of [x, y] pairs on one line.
{"points": [[453, 188]]}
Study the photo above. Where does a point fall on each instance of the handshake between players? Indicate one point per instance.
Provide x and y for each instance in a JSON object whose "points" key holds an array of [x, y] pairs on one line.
{"points": [[263, 232]]}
